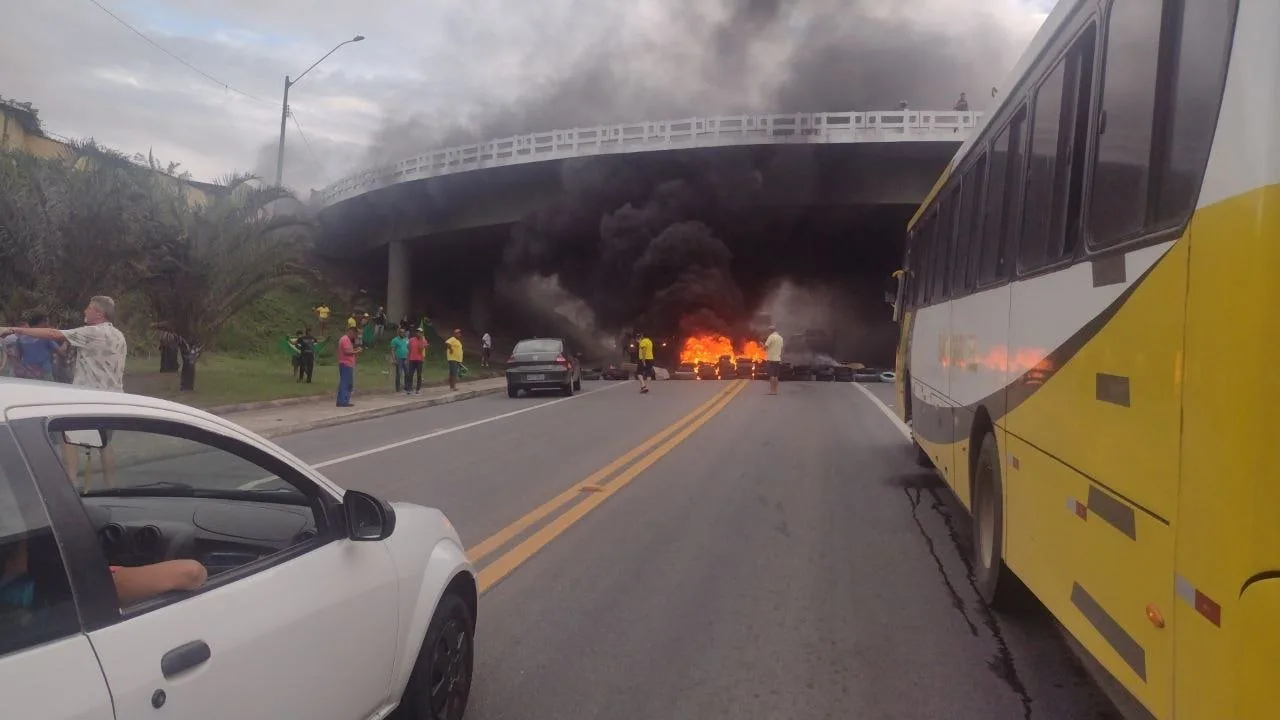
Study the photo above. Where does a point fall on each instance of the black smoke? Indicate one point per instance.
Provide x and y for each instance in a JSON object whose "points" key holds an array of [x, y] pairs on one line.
{"points": [[689, 244]]}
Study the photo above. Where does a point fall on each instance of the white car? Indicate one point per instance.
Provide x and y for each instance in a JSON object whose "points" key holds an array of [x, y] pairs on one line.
{"points": [[318, 603]]}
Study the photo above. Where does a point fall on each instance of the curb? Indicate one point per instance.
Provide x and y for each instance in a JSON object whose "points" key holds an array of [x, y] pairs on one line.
{"points": [[375, 413]]}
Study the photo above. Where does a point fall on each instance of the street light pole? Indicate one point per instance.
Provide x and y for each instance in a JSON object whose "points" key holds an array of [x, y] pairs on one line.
{"points": [[284, 105], [284, 115]]}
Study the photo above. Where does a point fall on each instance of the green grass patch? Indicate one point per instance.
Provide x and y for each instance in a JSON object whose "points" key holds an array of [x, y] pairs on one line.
{"points": [[226, 379]]}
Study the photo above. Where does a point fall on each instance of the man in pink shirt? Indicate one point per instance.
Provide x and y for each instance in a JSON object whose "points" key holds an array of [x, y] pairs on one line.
{"points": [[347, 352]]}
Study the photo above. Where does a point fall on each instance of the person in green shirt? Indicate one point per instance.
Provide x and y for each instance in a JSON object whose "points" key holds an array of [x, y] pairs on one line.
{"points": [[400, 357]]}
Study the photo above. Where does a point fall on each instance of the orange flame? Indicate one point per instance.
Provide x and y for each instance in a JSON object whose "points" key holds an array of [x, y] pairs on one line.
{"points": [[710, 348]]}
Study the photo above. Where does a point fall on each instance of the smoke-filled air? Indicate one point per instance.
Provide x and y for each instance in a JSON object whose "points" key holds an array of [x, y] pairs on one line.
{"points": [[699, 241]]}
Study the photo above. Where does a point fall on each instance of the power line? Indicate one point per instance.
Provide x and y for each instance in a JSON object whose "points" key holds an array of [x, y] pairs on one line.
{"points": [[307, 142], [161, 48]]}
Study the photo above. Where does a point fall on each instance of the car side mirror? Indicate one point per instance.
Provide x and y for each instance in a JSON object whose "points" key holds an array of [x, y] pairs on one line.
{"points": [[368, 518], [90, 438]]}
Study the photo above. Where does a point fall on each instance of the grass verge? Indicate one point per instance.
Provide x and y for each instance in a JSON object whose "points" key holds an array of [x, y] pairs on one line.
{"points": [[229, 379]]}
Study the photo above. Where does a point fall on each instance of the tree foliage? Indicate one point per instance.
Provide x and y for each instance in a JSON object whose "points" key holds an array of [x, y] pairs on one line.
{"points": [[92, 221]]}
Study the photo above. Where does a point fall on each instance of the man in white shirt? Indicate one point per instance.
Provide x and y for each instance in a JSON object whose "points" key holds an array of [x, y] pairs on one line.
{"points": [[486, 349], [773, 357], [100, 357]]}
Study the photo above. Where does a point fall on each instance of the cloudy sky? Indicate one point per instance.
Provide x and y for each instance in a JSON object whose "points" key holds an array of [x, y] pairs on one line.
{"points": [[437, 71]]}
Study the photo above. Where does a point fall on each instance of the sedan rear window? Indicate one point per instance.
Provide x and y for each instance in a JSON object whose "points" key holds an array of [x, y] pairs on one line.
{"points": [[540, 345]]}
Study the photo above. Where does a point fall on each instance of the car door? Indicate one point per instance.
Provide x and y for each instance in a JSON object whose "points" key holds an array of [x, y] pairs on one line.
{"points": [[40, 632], [307, 631]]}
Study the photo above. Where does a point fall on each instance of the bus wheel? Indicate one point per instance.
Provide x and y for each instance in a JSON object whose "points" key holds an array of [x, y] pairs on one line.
{"points": [[995, 583]]}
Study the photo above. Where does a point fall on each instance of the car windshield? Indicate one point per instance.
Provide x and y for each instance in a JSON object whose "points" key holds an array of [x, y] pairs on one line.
{"points": [[540, 345]]}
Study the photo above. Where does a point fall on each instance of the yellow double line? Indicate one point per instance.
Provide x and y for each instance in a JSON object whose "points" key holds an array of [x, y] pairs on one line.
{"points": [[595, 489]]}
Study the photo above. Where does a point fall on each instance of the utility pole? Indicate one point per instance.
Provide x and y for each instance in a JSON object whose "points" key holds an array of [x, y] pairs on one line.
{"points": [[284, 106], [284, 116]]}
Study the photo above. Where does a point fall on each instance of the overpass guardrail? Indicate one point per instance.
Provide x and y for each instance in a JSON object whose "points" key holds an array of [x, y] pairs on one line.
{"points": [[694, 132]]}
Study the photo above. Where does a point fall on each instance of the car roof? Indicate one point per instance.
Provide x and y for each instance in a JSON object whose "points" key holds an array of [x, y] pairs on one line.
{"points": [[531, 339], [23, 393]]}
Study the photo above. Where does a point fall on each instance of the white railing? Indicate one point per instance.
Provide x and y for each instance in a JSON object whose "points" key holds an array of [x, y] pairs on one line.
{"points": [[781, 128]]}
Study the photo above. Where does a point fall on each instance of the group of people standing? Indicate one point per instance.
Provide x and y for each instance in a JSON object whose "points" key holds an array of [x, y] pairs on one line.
{"points": [[408, 356]]}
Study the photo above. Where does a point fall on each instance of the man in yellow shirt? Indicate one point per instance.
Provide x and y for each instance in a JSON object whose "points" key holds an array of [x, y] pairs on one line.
{"points": [[453, 353], [644, 356], [322, 313]]}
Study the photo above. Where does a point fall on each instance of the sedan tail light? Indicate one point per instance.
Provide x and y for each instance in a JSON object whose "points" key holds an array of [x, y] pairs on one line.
{"points": [[561, 360]]}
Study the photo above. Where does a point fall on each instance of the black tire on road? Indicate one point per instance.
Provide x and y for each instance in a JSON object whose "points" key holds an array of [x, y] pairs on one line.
{"points": [[995, 582], [513, 391], [567, 390], [440, 684]]}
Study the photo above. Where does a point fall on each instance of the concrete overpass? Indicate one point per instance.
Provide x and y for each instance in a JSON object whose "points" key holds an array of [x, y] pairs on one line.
{"points": [[859, 159]]}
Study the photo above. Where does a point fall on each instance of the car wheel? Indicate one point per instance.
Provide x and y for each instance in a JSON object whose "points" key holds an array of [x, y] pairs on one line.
{"points": [[441, 681], [567, 390], [995, 582], [513, 391]]}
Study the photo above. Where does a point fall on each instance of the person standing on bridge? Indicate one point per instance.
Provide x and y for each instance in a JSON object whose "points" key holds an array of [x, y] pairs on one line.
{"points": [[644, 361], [773, 357], [453, 353]]}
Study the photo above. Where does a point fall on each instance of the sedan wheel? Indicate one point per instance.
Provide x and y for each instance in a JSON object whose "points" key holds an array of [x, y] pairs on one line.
{"points": [[441, 683]]}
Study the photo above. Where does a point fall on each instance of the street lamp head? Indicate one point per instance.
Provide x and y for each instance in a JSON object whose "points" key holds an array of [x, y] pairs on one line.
{"points": [[357, 38]]}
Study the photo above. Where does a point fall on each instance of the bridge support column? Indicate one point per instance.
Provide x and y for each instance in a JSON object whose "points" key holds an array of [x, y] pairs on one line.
{"points": [[397, 280], [482, 306]]}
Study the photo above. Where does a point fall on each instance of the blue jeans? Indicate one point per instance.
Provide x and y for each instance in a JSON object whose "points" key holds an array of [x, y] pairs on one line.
{"points": [[346, 383], [402, 373]]}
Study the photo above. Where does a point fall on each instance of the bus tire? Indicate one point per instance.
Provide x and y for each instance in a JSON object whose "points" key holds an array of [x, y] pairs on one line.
{"points": [[994, 581]]}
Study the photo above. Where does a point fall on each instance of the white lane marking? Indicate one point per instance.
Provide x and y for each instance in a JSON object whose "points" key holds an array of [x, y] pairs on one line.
{"points": [[897, 422], [436, 433]]}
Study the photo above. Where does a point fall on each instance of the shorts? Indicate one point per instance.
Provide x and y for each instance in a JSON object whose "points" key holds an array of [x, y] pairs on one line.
{"points": [[772, 368], [455, 368], [644, 369]]}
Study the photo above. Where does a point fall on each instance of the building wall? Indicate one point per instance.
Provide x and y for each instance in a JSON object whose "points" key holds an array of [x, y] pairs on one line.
{"points": [[14, 136]]}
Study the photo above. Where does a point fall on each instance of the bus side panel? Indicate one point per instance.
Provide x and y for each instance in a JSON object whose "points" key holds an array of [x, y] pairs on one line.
{"points": [[1228, 554], [1096, 563], [1229, 517], [1113, 410], [901, 364], [931, 408], [978, 371]]}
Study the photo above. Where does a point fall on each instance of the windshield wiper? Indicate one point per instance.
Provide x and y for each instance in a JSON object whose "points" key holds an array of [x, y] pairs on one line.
{"points": [[160, 488]]}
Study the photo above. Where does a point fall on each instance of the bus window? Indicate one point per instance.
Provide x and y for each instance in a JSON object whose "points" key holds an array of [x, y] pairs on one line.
{"points": [[1197, 94], [968, 232], [944, 237], [1118, 200], [1042, 169], [1003, 185], [946, 243]]}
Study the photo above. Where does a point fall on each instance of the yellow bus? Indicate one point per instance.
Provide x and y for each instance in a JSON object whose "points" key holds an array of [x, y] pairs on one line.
{"points": [[1085, 353]]}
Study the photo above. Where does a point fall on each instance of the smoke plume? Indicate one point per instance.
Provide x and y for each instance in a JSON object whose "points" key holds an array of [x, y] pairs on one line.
{"points": [[697, 243]]}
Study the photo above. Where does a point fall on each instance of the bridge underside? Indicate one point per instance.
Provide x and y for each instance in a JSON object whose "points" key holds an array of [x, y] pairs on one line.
{"points": [[845, 208]]}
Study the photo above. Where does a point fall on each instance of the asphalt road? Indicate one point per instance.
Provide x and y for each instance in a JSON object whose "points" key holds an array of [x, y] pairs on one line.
{"points": [[780, 557]]}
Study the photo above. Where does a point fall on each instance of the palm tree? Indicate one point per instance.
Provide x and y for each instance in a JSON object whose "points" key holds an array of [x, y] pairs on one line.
{"points": [[207, 261], [70, 226]]}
